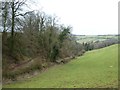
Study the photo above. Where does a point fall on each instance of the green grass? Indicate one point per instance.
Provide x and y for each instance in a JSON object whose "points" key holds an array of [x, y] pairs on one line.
{"points": [[96, 69]]}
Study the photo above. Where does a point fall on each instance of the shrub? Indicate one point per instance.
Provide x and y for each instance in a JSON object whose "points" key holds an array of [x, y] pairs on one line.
{"points": [[22, 70]]}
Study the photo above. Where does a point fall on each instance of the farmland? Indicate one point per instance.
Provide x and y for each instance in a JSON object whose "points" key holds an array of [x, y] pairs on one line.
{"points": [[93, 38]]}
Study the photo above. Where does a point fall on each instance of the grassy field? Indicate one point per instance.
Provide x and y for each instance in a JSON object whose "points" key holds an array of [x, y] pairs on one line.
{"points": [[90, 38], [96, 69]]}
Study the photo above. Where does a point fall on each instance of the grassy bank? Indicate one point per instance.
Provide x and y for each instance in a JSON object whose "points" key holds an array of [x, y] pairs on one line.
{"points": [[97, 68]]}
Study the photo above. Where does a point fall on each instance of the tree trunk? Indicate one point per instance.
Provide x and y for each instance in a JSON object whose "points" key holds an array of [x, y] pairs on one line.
{"points": [[12, 28]]}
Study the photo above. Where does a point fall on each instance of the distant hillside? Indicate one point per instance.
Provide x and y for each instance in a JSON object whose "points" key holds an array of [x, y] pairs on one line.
{"points": [[93, 38]]}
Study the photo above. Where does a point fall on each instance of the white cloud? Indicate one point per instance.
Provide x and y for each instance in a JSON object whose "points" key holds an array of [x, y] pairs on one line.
{"points": [[86, 16]]}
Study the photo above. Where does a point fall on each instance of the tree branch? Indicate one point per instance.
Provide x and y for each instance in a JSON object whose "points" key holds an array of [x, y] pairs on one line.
{"points": [[20, 14], [18, 4]]}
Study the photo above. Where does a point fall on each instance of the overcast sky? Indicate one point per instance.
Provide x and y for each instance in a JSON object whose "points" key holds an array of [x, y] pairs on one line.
{"points": [[87, 17]]}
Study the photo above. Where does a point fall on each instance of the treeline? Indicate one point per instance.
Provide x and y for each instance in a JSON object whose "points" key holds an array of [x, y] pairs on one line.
{"points": [[33, 34], [39, 34], [99, 44]]}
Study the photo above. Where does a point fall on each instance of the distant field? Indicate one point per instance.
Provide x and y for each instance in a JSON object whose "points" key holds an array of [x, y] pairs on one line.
{"points": [[89, 38], [96, 69]]}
